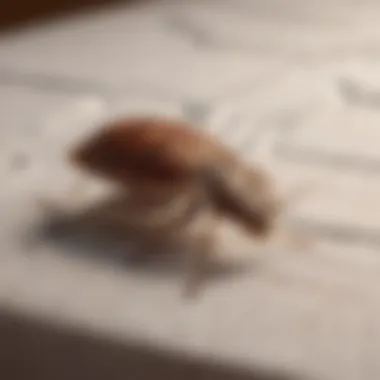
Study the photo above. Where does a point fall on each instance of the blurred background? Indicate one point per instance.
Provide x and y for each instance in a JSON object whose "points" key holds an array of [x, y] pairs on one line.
{"points": [[292, 84]]}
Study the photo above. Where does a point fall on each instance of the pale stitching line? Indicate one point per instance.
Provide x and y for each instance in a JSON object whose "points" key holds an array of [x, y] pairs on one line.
{"points": [[293, 153], [203, 39], [65, 84], [339, 232], [355, 94]]}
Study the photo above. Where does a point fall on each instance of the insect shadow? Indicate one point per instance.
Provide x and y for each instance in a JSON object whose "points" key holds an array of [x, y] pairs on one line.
{"points": [[92, 234]]}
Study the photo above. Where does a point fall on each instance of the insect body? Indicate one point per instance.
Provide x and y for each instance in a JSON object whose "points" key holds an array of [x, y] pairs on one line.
{"points": [[180, 181]]}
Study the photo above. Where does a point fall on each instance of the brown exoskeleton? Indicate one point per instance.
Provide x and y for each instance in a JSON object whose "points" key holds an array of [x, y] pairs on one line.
{"points": [[180, 183]]}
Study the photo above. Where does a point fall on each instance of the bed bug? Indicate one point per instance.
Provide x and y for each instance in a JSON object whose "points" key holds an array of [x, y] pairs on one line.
{"points": [[179, 181]]}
